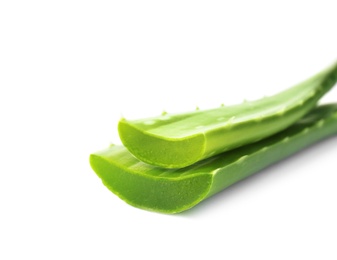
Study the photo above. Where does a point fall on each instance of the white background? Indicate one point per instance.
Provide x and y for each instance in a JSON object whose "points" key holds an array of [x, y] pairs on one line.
{"points": [[70, 69]]}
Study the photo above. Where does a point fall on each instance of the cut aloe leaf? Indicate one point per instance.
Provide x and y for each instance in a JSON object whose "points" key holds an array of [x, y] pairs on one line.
{"points": [[175, 190], [175, 141]]}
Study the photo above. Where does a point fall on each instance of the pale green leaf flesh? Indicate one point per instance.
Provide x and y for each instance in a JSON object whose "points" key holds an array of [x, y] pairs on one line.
{"points": [[175, 141], [175, 190]]}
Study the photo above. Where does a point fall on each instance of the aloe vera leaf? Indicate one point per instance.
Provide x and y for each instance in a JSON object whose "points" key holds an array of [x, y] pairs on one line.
{"points": [[175, 190], [175, 141]]}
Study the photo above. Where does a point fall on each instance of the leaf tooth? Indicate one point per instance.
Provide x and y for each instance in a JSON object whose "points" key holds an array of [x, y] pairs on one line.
{"points": [[330, 81], [258, 119], [300, 103], [281, 111], [264, 149], [286, 139], [242, 158], [312, 93], [334, 115], [229, 122], [305, 130], [320, 123]]}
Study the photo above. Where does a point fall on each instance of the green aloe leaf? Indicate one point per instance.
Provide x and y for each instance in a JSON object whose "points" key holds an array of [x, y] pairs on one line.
{"points": [[175, 141], [175, 190]]}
